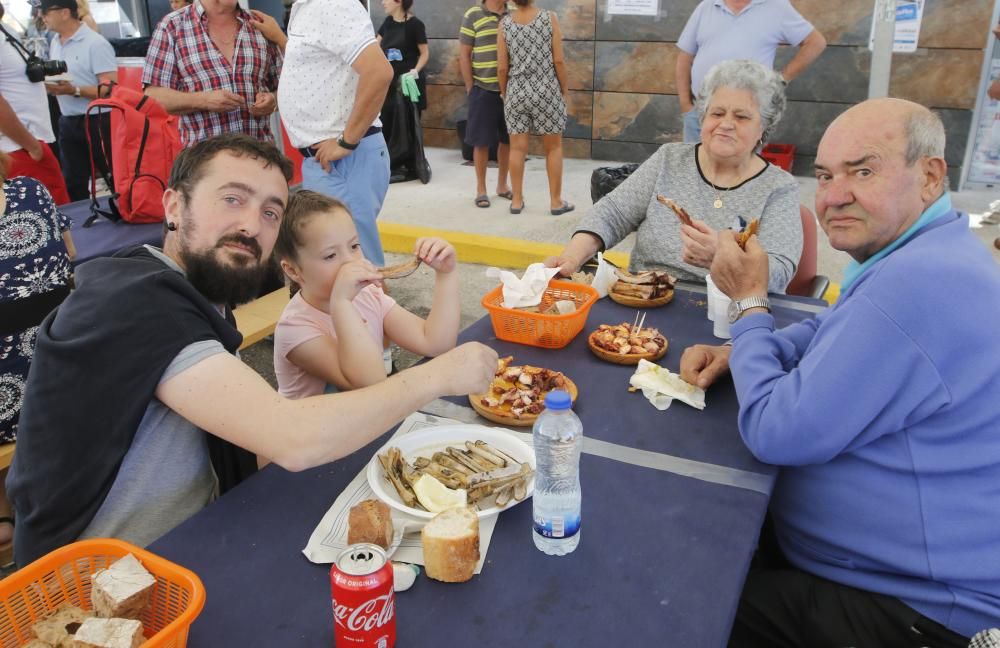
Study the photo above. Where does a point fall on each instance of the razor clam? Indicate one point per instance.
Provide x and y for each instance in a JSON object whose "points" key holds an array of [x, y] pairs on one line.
{"points": [[504, 495], [446, 460], [464, 459], [485, 454], [498, 452]]}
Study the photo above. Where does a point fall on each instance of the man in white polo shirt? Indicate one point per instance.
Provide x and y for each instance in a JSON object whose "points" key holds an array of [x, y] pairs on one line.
{"points": [[331, 89], [721, 30], [91, 61], [25, 127]]}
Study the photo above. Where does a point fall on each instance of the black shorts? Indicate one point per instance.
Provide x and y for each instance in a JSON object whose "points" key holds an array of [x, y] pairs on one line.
{"points": [[486, 125]]}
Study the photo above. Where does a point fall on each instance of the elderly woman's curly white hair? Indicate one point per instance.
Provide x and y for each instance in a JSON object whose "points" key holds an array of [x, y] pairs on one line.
{"points": [[766, 86]]}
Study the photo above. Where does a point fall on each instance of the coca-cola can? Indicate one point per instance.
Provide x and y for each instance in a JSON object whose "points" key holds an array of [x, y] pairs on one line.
{"points": [[364, 607]]}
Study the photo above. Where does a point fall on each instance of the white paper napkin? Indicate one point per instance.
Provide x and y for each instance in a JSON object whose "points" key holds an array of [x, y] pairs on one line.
{"points": [[660, 386], [526, 290], [604, 278]]}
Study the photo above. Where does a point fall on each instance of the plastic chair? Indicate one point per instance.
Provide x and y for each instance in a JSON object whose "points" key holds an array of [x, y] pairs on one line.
{"points": [[806, 282]]}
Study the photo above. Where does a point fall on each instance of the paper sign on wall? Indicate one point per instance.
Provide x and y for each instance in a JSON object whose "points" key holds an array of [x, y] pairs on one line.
{"points": [[634, 7], [909, 13]]}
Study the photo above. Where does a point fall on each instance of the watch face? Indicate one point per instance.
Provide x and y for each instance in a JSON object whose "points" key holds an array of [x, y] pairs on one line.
{"points": [[734, 311]]}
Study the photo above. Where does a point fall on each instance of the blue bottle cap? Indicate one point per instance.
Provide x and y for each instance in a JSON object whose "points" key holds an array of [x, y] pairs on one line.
{"points": [[557, 399]]}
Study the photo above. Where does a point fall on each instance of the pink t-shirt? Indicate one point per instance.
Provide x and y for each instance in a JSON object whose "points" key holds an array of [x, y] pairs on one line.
{"points": [[300, 323]]}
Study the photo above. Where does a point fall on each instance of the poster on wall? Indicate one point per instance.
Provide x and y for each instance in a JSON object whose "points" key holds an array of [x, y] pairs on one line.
{"points": [[909, 14], [634, 7], [985, 163]]}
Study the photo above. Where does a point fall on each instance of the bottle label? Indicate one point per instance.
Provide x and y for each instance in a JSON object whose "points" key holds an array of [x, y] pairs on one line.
{"points": [[557, 526]]}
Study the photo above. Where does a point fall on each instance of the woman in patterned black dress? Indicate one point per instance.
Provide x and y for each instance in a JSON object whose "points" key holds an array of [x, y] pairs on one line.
{"points": [[35, 276], [532, 77]]}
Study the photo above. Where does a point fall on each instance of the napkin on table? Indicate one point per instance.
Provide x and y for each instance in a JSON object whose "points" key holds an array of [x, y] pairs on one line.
{"points": [[661, 386]]}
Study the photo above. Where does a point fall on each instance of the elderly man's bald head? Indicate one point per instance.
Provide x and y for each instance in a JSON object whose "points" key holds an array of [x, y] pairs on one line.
{"points": [[922, 129]]}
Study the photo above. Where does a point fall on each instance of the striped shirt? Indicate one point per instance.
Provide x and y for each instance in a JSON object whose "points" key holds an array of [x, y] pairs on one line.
{"points": [[183, 57], [479, 29]]}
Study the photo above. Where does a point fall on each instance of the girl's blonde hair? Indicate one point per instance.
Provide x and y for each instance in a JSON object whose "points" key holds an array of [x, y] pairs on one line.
{"points": [[302, 207]]}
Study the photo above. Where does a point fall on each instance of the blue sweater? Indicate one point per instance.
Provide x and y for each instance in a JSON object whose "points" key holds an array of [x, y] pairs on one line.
{"points": [[884, 411]]}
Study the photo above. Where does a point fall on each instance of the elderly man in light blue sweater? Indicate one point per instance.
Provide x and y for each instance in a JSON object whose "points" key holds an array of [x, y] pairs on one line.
{"points": [[883, 410]]}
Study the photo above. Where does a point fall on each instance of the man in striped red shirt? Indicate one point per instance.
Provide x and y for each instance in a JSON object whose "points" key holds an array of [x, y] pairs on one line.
{"points": [[208, 64]]}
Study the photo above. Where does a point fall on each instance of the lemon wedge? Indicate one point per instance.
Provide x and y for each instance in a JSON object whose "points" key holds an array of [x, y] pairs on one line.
{"points": [[435, 496]]}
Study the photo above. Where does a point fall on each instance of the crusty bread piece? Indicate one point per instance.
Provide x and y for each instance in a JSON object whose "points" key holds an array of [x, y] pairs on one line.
{"points": [[122, 590], [451, 545], [370, 521], [37, 643], [109, 633], [56, 630]]}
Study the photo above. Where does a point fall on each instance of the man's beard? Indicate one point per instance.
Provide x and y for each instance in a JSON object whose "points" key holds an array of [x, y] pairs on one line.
{"points": [[225, 283]]}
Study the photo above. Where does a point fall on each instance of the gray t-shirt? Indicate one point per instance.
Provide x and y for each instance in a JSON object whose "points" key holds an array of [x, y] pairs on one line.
{"points": [[167, 475], [673, 171]]}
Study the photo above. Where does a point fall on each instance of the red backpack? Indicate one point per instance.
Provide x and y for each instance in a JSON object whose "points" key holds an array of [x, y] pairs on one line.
{"points": [[144, 143]]}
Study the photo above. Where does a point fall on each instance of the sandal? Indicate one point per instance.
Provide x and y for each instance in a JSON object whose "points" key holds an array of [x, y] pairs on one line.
{"points": [[482, 201], [509, 195], [566, 207], [516, 210]]}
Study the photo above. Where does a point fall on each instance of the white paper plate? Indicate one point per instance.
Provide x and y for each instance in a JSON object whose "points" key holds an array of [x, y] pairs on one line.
{"points": [[424, 443]]}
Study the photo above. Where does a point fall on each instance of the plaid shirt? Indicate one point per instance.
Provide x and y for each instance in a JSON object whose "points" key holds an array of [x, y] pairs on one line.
{"points": [[182, 57]]}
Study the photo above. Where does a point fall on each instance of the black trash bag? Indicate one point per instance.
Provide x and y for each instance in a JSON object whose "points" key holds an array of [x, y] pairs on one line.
{"points": [[604, 180], [397, 125], [404, 136], [420, 166]]}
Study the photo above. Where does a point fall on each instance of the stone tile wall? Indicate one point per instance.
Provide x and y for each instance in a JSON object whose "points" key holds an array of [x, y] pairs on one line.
{"points": [[621, 73]]}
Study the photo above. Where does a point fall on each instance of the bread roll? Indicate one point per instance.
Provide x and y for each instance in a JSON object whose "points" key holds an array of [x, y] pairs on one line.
{"points": [[370, 521], [58, 628], [451, 545], [122, 590], [109, 633]]}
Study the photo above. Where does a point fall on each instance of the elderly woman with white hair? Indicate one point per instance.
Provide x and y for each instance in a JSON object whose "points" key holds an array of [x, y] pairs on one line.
{"points": [[722, 181]]}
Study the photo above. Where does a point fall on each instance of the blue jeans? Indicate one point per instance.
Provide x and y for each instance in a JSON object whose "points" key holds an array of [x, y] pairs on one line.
{"points": [[360, 181], [692, 129]]}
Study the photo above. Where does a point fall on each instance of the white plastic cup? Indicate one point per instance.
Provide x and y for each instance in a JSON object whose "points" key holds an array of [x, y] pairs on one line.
{"points": [[720, 322], [718, 309], [711, 291]]}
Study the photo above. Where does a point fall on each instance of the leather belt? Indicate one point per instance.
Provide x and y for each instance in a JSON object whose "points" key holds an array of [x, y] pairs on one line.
{"points": [[310, 151]]}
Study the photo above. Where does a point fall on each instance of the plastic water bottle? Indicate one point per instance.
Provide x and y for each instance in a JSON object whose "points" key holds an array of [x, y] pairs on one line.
{"points": [[558, 438]]}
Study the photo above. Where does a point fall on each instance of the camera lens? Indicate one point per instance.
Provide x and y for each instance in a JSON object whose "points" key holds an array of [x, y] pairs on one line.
{"points": [[53, 68]]}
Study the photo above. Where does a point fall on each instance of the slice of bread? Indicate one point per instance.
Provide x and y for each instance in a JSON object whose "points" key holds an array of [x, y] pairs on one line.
{"points": [[451, 545], [370, 521]]}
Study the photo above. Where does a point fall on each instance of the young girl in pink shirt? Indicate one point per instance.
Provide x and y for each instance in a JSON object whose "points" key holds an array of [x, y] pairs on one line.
{"points": [[330, 336]]}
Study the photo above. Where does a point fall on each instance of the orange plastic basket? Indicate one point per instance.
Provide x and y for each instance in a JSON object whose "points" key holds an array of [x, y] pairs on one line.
{"points": [[536, 329], [63, 576]]}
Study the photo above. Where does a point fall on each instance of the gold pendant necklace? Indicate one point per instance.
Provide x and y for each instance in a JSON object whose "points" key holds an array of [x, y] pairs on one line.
{"points": [[718, 193]]}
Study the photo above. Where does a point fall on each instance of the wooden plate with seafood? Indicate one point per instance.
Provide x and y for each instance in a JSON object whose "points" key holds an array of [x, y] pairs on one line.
{"points": [[627, 344], [638, 302], [646, 289], [517, 393], [494, 467]]}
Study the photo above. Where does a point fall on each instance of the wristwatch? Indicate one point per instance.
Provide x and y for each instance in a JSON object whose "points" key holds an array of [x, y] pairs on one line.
{"points": [[76, 91], [345, 145], [739, 306]]}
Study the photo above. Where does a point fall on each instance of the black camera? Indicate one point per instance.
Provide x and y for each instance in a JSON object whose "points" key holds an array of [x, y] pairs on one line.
{"points": [[37, 68]]}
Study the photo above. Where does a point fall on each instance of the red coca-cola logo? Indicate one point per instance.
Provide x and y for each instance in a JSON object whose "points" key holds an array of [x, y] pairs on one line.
{"points": [[371, 614]]}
